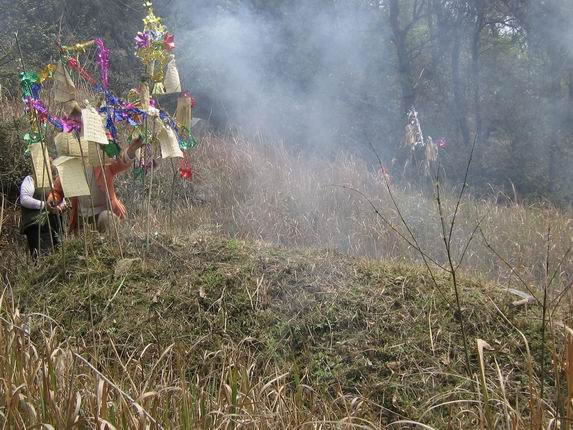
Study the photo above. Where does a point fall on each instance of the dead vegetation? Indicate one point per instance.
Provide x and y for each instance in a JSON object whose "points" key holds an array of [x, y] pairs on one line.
{"points": [[212, 326], [243, 334]]}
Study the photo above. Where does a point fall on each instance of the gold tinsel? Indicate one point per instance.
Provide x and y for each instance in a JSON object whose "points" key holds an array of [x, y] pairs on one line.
{"points": [[79, 47], [154, 56], [46, 73]]}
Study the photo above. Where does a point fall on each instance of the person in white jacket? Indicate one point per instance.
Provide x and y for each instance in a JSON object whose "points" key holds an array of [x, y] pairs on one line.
{"points": [[42, 232]]}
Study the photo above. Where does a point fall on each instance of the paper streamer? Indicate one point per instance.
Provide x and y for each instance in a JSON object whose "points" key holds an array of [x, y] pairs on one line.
{"points": [[64, 88], [172, 81], [41, 164], [72, 176]]}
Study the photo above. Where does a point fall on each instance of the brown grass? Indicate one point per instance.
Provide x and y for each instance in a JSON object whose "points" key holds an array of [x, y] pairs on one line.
{"points": [[265, 192], [262, 192]]}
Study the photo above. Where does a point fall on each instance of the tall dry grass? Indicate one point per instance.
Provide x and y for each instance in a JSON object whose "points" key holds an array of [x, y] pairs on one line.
{"points": [[50, 382], [267, 192], [255, 190]]}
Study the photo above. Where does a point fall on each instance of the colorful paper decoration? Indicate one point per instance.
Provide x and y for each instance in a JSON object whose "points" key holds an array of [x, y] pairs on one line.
{"points": [[72, 176], [41, 165], [172, 81], [154, 46], [92, 126], [184, 111], [64, 88]]}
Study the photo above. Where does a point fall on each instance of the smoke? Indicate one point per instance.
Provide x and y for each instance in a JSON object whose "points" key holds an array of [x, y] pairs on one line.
{"points": [[311, 73]]}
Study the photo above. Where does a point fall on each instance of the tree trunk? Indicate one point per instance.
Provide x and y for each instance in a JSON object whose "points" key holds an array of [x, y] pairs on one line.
{"points": [[476, 65], [399, 38], [554, 111], [459, 99]]}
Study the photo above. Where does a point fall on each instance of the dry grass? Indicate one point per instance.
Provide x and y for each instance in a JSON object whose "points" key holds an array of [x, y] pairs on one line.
{"points": [[265, 192], [49, 383], [217, 333], [296, 339]]}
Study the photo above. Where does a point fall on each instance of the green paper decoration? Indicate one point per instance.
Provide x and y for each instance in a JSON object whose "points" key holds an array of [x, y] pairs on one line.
{"points": [[112, 149]]}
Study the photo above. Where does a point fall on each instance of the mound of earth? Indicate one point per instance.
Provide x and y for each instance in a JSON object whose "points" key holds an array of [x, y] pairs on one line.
{"points": [[342, 324]]}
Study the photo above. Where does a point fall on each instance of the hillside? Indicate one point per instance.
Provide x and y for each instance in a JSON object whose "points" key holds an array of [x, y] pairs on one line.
{"points": [[376, 332]]}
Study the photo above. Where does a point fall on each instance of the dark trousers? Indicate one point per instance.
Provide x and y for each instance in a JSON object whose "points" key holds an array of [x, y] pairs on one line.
{"points": [[44, 240]]}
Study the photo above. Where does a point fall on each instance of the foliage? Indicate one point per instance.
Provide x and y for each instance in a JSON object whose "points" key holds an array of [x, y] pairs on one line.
{"points": [[15, 166]]}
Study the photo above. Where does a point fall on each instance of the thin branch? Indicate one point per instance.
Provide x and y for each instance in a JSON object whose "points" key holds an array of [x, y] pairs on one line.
{"points": [[453, 274], [464, 185], [389, 224], [463, 254], [509, 266]]}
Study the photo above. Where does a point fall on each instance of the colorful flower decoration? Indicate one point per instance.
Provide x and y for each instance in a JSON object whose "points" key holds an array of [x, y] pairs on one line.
{"points": [[29, 84], [154, 45], [142, 40], [169, 42]]}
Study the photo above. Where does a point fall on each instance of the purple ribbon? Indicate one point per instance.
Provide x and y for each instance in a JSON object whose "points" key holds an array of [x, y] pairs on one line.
{"points": [[103, 60]]}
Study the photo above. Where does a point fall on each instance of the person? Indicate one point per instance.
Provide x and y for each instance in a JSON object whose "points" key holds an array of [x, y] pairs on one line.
{"points": [[102, 205], [42, 232]]}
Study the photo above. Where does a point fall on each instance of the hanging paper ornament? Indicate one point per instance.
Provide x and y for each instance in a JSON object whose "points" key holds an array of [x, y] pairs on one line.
{"points": [[172, 81], [64, 88], [410, 137], [144, 97], [431, 155], [184, 111]]}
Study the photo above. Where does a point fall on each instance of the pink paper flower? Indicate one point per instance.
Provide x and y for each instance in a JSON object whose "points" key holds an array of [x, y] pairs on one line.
{"points": [[169, 42]]}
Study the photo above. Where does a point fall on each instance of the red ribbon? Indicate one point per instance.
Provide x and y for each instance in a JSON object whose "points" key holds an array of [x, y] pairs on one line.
{"points": [[73, 63]]}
